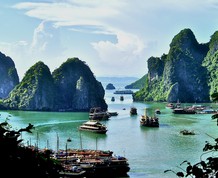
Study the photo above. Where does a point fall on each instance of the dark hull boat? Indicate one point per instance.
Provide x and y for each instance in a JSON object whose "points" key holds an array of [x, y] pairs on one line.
{"points": [[98, 114], [184, 111], [149, 121], [92, 163]]}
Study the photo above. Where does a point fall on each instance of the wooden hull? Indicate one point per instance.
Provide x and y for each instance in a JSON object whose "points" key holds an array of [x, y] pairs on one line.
{"points": [[93, 130]]}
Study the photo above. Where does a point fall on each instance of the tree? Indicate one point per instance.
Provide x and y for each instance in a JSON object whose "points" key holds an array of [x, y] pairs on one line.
{"points": [[20, 161]]}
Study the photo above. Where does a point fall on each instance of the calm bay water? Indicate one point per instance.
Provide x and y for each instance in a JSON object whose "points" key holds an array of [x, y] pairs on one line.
{"points": [[150, 151]]}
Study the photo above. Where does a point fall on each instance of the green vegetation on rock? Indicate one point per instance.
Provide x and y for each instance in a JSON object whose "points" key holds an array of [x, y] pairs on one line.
{"points": [[179, 75], [71, 87]]}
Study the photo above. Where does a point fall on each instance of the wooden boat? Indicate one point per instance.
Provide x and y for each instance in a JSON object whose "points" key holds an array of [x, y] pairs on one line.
{"points": [[71, 173], [95, 163], [113, 113], [187, 132], [157, 111], [207, 111], [93, 126], [170, 105], [97, 113], [184, 111], [149, 121], [133, 111], [173, 106]]}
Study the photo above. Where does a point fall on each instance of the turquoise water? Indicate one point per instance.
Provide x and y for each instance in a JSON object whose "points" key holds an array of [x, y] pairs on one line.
{"points": [[150, 151]]}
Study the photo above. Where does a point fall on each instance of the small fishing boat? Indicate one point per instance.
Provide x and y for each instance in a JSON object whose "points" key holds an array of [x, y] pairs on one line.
{"points": [[187, 132], [112, 98], [113, 113], [157, 111], [133, 111]]}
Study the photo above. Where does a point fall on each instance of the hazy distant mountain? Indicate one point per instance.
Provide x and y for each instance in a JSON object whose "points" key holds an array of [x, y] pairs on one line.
{"points": [[139, 84], [118, 82]]}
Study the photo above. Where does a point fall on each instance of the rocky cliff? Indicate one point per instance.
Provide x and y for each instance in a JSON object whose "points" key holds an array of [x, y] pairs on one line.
{"points": [[71, 87], [9, 77], [211, 64], [179, 75], [35, 92], [77, 88]]}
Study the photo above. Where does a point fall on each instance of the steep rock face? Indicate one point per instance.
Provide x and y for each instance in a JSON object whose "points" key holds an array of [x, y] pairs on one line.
{"points": [[77, 88], [71, 87], [156, 67], [184, 66], [35, 92], [211, 63], [9, 77], [183, 77]]}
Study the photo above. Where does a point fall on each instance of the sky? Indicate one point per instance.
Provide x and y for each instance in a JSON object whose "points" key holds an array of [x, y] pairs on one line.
{"points": [[113, 37]]}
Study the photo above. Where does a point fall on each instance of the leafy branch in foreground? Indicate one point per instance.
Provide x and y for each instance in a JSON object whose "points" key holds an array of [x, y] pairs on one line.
{"points": [[207, 168], [204, 168], [20, 161]]}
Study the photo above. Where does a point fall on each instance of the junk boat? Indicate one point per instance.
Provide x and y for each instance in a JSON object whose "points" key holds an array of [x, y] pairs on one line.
{"points": [[93, 126], [184, 111], [112, 98], [97, 113], [133, 111], [149, 121], [121, 98], [95, 163]]}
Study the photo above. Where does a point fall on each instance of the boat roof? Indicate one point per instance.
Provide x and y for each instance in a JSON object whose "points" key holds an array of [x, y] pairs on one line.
{"points": [[92, 122]]}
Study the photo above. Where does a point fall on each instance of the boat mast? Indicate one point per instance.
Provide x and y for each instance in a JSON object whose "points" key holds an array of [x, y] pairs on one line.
{"points": [[57, 142], [80, 140], [96, 144]]}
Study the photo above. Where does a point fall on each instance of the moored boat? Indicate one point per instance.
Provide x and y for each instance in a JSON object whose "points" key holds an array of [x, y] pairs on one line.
{"points": [[187, 132], [149, 121], [133, 111], [184, 111], [95, 163], [97, 113], [113, 113], [170, 105], [93, 126], [121, 98], [157, 111]]}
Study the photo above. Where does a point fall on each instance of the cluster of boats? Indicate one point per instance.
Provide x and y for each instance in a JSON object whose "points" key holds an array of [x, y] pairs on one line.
{"points": [[96, 115], [91, 163], [194, 109]]}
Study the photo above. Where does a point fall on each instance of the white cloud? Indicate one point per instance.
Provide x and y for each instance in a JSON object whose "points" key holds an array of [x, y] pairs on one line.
{"points": [[142, 28]]}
